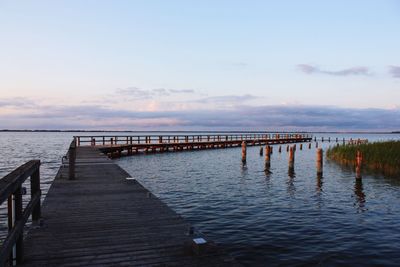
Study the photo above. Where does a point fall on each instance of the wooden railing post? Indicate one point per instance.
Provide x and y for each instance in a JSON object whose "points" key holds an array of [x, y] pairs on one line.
{"points": [[11, 190], [19, 246], [10, 220], [35, 190], [72, 158]]}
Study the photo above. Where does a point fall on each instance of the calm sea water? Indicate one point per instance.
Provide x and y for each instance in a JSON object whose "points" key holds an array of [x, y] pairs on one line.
{"points": [[262, 219]]}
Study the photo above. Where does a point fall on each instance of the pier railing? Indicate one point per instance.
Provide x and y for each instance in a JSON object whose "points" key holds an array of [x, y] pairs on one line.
{"points": [[107, 140], [11, 190]]}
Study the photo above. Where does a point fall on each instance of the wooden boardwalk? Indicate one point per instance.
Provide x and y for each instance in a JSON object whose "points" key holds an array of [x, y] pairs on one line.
{"points": [[103, 219], [117, 146]]}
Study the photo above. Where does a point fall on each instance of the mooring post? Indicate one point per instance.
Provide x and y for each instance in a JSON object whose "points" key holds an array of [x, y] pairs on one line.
{"points": [[287, 148], [280, 149], [72, 157], [319, 161], [261, 151], [329, 139], [309, 145], [301, 146], [244, 151], [316, 144], [322, 139], [358, 164], [267, 157], [291, 159]]}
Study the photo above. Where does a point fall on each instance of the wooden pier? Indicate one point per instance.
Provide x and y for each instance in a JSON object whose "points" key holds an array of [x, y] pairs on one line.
{"points": [[117, 146], [95, 214], [101, 218]]}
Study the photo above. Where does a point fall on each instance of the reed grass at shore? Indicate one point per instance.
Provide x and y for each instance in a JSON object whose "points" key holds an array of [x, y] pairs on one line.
{"points": [[381, 157]]}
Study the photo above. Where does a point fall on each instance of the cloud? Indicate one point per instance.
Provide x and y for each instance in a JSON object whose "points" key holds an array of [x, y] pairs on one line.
{"points": [[139, 93], [182, 91], [394, 71], [17, 102], [310, 69], [239, 117], [227, 99]]}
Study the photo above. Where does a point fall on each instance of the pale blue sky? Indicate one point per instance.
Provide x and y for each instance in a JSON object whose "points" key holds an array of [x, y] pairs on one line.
{"points": [[205, 56]]}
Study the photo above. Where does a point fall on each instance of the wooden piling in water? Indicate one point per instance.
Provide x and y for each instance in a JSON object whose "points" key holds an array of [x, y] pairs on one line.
{"points": [[291, 159], [309, 145], [319, 161], [244, 151], [261, 151], [280, 149], [358, 164], [267, 157], [287, 148], [301, 146], [316, 144]]}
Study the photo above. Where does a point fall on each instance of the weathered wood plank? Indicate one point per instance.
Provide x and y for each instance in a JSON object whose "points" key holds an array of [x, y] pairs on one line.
{"points": [[102, 219]]}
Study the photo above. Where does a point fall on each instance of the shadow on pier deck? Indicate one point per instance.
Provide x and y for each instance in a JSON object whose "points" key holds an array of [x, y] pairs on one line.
{"points": [[103, 219]]}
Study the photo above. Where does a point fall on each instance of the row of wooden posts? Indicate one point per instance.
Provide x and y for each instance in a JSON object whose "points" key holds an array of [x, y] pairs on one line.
{"points": [[292, 150]]}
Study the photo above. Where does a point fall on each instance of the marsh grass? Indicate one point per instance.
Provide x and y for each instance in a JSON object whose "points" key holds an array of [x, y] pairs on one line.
{"points": [[379, 157]]}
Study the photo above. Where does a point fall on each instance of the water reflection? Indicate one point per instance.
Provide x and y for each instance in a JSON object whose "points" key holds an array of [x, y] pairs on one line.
{"points": [[359, 194], [319, 183], [291, 189]]}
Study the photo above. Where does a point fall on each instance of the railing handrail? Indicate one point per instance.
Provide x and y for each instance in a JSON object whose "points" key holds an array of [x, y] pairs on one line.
{"points": [[177, 138], [11, 190], [183, 135]]}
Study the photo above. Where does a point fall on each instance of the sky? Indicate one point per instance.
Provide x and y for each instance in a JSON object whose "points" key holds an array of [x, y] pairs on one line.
{"points": [[200, 65]]}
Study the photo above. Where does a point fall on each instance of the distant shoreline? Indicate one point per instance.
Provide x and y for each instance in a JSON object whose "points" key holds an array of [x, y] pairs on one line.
{"points": [[193, 131]]}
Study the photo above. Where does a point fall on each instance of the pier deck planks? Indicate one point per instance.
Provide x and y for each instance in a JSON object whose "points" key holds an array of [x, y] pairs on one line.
{"points": [[102, 219]]}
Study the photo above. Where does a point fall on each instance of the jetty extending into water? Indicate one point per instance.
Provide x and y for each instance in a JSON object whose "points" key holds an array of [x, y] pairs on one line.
{"points": [[95, 214], [117, 146]]}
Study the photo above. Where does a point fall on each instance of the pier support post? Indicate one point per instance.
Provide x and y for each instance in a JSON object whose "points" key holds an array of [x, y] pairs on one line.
{"points": [[309, 145], [72, 158], [319, 161], [280, 149], [244, 152], [267, 157], [358, 164], [261, 151], [301, 146], [291, 160]]}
